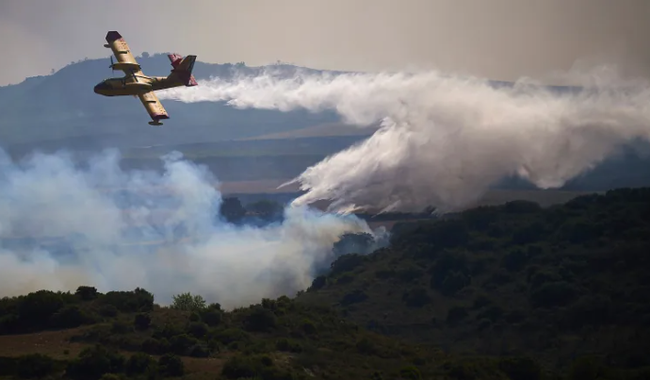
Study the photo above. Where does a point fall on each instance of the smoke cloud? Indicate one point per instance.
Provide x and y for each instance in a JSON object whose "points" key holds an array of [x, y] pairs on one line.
{"points": [[445, 139], [62, 226]]}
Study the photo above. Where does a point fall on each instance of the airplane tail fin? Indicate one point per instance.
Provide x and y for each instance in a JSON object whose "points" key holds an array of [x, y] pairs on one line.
{"points": [[182, 68]]}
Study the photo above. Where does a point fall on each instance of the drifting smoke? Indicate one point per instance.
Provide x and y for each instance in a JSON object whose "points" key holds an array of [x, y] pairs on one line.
{"points": [[98, 233], [445, 140]]}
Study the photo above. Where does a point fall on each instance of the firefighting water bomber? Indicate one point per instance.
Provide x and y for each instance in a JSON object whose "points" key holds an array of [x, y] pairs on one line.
{"points": [[136, 83]]}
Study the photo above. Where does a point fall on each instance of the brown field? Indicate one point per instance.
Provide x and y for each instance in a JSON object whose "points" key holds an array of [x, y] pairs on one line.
{"points": [[57, 345], [52, 343]]}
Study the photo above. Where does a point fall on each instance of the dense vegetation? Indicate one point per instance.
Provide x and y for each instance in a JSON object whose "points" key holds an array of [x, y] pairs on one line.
{"points": [[509, 292], [555, 284]]}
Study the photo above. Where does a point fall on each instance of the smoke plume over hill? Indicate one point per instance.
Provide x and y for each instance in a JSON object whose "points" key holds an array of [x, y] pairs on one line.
{"points": [[94, 242]]}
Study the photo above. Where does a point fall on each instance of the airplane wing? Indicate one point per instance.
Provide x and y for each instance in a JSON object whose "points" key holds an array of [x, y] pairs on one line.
{"points": [[154, 107], [125, 59]]}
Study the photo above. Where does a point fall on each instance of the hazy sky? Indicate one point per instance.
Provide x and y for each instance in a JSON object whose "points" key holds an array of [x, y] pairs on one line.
{"points": [[501, 39]]}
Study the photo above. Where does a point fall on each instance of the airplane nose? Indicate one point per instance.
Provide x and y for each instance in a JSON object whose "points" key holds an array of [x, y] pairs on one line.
{"points": [[99, 87]]}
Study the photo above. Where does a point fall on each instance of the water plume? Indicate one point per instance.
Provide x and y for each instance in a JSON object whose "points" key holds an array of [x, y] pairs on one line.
{"points": [[445, 139]]}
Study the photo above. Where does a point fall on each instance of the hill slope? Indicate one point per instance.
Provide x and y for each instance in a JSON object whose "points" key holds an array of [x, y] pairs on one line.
{"points": [[62, 110], [553, 283], [511, 292]]}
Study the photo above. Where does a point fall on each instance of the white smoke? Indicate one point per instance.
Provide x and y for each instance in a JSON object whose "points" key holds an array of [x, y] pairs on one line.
{"points": [[444, 140], [100, 239]]}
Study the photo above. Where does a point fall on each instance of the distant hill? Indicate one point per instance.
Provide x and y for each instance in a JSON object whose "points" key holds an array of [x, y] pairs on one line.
{"points": [[61, 110]]}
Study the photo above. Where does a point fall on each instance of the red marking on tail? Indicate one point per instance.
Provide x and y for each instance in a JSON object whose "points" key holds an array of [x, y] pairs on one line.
{"points": [[183, 68], [175, 59]]}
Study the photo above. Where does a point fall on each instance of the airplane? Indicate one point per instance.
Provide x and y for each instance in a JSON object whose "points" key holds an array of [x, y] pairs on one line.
{"points": [[135, 83]]}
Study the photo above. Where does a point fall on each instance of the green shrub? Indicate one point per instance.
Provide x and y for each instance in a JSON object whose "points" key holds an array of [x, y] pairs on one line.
{"points": [[140, 363], [456, 314], [417, 297], [181, 344], [308, 327], [287, 345], [197, 329], [70, 316], [171, 365], [553, 294], [410, 373], [108, 311], [521, 368], [318, 283], [87, 293], [248, 367], [142, 321], [260, 319], [212, 317], [131, 301], [188, 302], [94, 362], [34, 366]]}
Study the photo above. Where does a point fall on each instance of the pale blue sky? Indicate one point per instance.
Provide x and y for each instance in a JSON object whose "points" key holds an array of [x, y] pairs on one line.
{"points": [[501, 39]]}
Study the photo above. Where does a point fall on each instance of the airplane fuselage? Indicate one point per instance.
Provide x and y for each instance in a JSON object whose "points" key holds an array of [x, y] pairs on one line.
{"points": [[127, 85]]}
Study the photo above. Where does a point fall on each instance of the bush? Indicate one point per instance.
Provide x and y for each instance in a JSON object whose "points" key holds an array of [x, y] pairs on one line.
{"points": [[70, 316], [409, 274], [142, 321], [247, 367], [417, 297], [181, 344], [453, 283], [308, 327], [260, 319], [448, 263], [481, 300], [366, 347], [197, 329], [586, 368], [171, 365], [156, 346], [346, 263], [521, 368], [108, 311], [40, 306], [456, 314], [94, 362], [138, 300], [410, 373], [87, 293], [140, 363], [354, 296], [493, 313], [515, 261], [120, 327], [199, 351], [231, 335], [288, 346], [188, 302], [553, 294], [34, 366], [212, 317], [318, 283]]}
